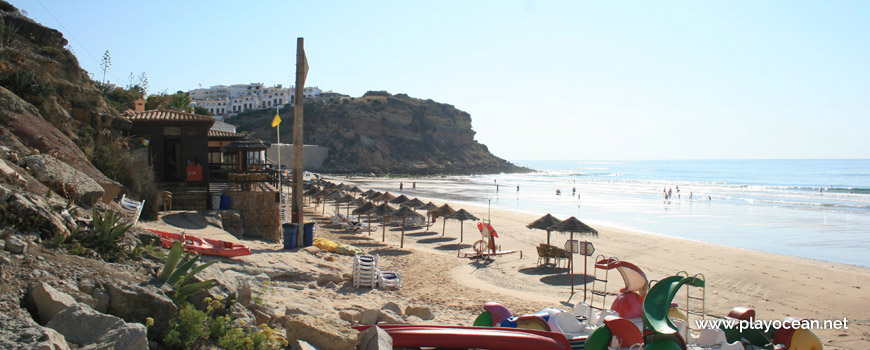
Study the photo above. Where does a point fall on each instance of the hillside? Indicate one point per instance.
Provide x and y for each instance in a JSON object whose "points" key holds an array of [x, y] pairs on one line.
{"points": [[383, 133]]}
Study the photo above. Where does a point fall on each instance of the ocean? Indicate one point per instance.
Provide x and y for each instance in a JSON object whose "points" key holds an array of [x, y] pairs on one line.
{"points": [[818, 209]]}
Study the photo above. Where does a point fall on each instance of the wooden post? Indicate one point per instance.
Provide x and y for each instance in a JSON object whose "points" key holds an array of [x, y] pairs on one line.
{"points": [[301, 71]]}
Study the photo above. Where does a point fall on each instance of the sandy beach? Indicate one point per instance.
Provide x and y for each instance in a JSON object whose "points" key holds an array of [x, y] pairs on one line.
{"points": [[455, 288]]}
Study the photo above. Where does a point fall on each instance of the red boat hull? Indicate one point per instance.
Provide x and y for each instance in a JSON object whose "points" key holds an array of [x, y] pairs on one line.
{"points": [[458, 337], [204, 246]]}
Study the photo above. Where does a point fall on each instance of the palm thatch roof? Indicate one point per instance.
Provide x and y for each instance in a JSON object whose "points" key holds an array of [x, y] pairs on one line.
{"points": [[400, 199], [428, 206], [383, 209], [443, 210], [365, 208], [575, 226], [414, 203], [386, 196], [461, 215], [544, 222], [405, 212]]}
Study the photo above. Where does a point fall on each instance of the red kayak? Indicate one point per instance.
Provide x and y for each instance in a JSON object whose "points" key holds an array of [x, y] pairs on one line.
{"points": [[204, 246], [458, 337]]}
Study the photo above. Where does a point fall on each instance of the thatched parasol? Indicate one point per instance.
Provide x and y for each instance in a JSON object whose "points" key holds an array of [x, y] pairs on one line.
{"points": [[572, 225], [373, 195], [355, 189], [383, 210], [346, 199], [428, 207], [365, 209], [443, 210], [461, 215], [386, 196], [544, 223], [414, 204], [400, 199], [367, 193], [356, 203], [404, 213]]}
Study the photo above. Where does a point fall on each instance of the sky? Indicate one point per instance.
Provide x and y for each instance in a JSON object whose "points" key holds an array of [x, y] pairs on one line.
{"points": [[586, 80]]}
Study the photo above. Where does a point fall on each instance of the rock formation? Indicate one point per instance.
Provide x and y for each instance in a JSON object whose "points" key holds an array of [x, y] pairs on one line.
{"points": [[382, 133]]}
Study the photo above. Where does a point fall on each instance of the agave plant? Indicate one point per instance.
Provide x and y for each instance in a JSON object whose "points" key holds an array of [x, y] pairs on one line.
{"points": [[179, 268]]}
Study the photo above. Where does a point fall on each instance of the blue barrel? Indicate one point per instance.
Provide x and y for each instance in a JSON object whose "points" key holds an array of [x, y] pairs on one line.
{"points": [[308, 234], [290, 233], [225, 202]]}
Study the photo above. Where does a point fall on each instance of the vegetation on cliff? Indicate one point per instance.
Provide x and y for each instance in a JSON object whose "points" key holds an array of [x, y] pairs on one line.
{"points": [[383, 133]]}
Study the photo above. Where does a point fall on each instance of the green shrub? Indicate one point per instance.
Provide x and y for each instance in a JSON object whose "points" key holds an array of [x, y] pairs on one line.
{"points": [[188, 328], [178, 269], [104, 237], [7, 30]]}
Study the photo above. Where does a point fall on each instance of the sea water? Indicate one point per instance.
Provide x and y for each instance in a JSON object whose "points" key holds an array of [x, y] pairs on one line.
{"points": [[816, 209]]}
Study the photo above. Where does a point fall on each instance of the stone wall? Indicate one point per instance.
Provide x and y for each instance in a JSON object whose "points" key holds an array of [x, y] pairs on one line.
{"points": [[259, 211]]}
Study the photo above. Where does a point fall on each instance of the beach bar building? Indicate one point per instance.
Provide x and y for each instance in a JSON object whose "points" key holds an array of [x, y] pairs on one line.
{"points": [[204, 169]]}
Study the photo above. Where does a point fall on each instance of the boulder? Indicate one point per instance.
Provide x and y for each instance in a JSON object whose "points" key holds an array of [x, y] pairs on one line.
{"points": [[328, 277], [101, 300], [241, 315], [23, 120], [369, 317], [231, 285], [85, 326], [49, 301], [352, 316], [19, 331], [135, 303], [37, 214], [392, 307], [375, 338], [15, 245], [422, 312], [64, 179], [324, 333], [390, 317]]}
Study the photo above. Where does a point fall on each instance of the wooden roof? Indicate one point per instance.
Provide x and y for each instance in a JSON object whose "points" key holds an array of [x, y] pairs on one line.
{"points": [[168, 116]]}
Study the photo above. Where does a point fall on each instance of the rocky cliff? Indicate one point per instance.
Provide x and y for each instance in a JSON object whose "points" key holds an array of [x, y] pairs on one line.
{"points": [[383, 133]]}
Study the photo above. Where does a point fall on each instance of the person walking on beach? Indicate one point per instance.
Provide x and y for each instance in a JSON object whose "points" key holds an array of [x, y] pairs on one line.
{"points": [[573, 191], [401, 185], [518, 188], [414, 185], [496, 188]]}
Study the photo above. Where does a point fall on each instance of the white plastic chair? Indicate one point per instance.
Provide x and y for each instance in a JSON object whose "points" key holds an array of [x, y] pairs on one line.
{"points": [[388, 279], [132, 209], [365, 271]]}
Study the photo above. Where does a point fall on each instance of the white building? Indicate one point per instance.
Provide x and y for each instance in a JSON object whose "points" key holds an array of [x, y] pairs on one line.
{"points": [[222, 100]]}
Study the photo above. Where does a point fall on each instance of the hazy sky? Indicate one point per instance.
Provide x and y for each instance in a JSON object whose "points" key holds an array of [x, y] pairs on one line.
{"points": [[541, 79]]}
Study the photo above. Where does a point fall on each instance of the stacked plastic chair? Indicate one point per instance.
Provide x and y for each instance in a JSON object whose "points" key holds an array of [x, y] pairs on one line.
{"points": [[389, 279], [365, 271]]}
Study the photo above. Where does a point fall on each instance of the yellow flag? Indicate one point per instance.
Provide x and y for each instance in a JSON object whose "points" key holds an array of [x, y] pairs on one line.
{"points": [[277, 120]]}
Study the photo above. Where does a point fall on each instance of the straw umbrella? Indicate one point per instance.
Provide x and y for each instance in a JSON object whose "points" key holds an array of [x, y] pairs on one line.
{"points": [[344, 199], [573, 225], [365, 209], [428, 207], [322, 195], [373, 195], [354, 189], [383, 210], [356, 203], [414, 204], [443, 210], [400, 199], [386, 196], [404, 213], [461, 215], [544, 223], [367, 193]]}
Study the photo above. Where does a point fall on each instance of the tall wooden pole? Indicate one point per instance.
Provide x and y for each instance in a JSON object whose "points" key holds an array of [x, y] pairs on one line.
{"points": [[301, 70]]}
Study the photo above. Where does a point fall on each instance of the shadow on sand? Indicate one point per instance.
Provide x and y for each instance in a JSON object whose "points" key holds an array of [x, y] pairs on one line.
{"points": [[421, 234], [435, 240], [187, 220], [565, 279], [390, 252], [543, 270], [452, 246]]}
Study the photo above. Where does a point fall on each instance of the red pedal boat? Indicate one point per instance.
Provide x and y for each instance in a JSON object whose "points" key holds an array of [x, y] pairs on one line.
{"points": [[204, 246], [458, 337]]}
